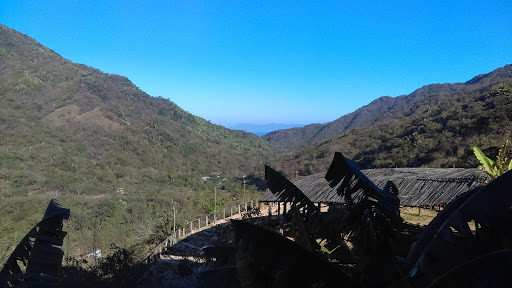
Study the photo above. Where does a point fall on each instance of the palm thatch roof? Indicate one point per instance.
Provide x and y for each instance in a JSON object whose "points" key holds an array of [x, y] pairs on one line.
{"points": [[416, 186]]}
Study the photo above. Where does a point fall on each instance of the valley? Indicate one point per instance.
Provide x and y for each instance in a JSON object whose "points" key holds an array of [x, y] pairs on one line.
{"points": [[124, 161]]}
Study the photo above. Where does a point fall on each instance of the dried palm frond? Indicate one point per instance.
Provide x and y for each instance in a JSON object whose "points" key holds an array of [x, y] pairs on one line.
{"points": [[38, 251], [267, 259], [454, 243]]}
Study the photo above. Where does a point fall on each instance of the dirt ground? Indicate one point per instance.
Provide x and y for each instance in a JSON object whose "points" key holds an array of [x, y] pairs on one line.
{"points": [[417, 217]]}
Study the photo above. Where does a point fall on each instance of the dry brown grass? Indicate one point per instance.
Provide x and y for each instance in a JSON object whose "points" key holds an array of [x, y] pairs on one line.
{"points": [[96, 117], [71, 113], [63, 115], [410, 215]]}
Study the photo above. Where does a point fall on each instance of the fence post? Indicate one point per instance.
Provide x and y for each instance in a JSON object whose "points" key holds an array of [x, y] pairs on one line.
{"points": [[231, 215], [214, 218], [206, 220], [245, 205], [184, 232], [198, 223], [239, 209], [224, 214], [191, 227]]}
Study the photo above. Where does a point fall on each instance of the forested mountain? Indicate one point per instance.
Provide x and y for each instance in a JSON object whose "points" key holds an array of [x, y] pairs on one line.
{"points": [[435, 126], [65, 125], [71, 132]]}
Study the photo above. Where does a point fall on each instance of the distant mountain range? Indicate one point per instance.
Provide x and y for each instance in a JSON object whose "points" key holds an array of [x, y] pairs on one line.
{"points": [[262, 129], [56, 114]]}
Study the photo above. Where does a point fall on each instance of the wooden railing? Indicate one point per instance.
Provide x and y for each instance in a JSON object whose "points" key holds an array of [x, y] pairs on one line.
{"points": [[195, 226]]}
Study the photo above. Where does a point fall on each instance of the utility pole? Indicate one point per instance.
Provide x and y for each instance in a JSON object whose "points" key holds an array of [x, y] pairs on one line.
{"points": [[173, 220], [244, 184]]}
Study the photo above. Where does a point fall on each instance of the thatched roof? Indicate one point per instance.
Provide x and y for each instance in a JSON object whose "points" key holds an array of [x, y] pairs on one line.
{"points": [[416, 186]]}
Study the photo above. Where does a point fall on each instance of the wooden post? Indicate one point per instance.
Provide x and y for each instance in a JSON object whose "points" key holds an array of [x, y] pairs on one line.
{"points": [[224, 214], [214, 218], [239, 209], [278, 209], [245, 204], [191, 227], [198, 223], [284, 211], [206, 220], [184, 232], [419, 210], [244, 184], [231, 215]]}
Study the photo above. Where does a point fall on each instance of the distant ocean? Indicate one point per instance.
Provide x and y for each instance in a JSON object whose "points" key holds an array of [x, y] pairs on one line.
{"points": [[262, 129]]}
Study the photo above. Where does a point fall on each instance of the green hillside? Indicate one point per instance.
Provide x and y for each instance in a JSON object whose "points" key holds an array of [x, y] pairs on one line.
{"points": [[63, 124], [435, 126], [71, 132]]}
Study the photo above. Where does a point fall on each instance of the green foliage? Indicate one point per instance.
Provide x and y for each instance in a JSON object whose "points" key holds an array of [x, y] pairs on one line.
{"points": [[72, 128], [494, 168], [435, 126], [17, 179], [117, 263], [74, 133]]}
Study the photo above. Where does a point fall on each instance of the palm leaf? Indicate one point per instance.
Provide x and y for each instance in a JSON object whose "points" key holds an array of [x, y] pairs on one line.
{"points": [[487, 163]]}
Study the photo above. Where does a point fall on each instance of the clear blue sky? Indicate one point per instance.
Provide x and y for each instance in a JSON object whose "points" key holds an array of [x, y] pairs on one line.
{"points": [[273, 61]]}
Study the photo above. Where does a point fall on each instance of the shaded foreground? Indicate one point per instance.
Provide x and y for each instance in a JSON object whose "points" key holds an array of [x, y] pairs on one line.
{"points": [[362, 242]]}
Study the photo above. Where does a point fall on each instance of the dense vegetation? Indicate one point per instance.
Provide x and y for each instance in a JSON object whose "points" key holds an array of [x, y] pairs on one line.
{"points": [[435, 126], [71, 132]]}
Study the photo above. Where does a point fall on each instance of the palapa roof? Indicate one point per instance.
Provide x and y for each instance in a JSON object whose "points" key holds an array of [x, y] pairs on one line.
{"points": [[416, 186]]}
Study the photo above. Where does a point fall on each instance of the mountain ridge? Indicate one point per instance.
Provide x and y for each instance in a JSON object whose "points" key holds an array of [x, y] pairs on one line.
{"points": [[434, 126], [377, 110], [45, 98]]}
